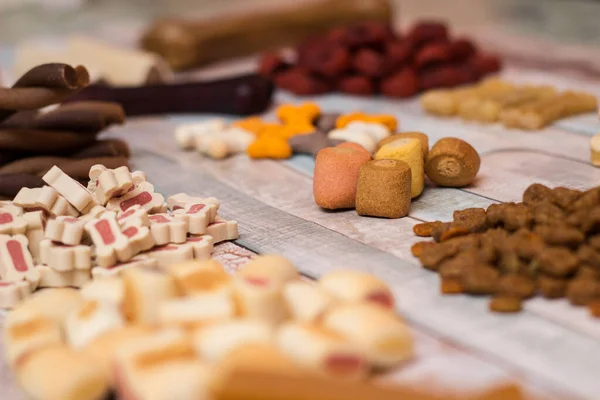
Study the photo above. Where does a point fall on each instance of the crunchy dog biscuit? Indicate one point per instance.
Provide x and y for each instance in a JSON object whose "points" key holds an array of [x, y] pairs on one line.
{"points": [[16, 262], [171, 253], [180, 200], [144, 290], [452, 162], [109, 183], [203, 246], [140, 238], [96, 212], [354, 286], [91, 320], [139, 261], [423, 138], [46, 199], [69, 188], [197, 216], [65, 257], [355, 136], [52, 278], [409, 151], [36, 223], [13, 293], [142, 195], [307, 302], [11, 224], [111, 244], [106, 289], [200, 277], [375, 130], [65, 230], [185, 134], [197, 310], [167, 229], [222, 230], [135, 215]]}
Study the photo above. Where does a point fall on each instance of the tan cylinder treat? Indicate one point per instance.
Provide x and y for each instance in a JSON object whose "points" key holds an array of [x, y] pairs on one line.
{"points": [[452, 162], [423, 138], [384, 189]]}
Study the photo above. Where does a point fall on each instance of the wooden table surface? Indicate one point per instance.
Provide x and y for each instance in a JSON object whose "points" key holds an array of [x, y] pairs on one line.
{"points": [[553, 349]]}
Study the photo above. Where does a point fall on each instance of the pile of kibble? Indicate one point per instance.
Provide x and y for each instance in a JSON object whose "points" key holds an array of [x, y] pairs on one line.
{"points": [[549, 244], [371, 58]]}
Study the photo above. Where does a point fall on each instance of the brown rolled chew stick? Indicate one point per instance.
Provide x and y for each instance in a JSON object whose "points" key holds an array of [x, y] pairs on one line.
{"points": [[104, 148], [43, 142], [243, 95], [10, 184], [185, 44], [77, 167]]}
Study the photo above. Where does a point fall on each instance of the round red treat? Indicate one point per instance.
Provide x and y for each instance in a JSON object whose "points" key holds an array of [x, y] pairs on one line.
{"points": [[369, 62], [356, 84], [462, 49], [433, 53], [369, 33], [440, 77], [299, 81], [486, 63], [427, 31], [402, 84], [328, 61], [271, 64], [465, 73], [397, 54]]}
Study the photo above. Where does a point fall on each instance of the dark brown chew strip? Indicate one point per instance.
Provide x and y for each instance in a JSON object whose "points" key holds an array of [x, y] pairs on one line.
{"points": [[185, 44], [43, 142], [80, 169], [10, 184], [105, 148], [31, 165], [244, 95]]}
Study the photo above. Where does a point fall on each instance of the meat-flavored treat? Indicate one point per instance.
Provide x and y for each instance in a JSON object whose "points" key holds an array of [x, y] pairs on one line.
{"points": [[91, 320], [45, 199], [96, 212], [140, 238], [321, 350], [222, 230], [269, 268], [36, 223], [381, 335], [105, 289], [197, 215], [354, 286], [197, 310], [54, 304], [200, 277], [215, 341], [112, 245], [186, 134], [52, 278], [306, 301], [171, 253], [144, 291], [142, 195], [16, 263], [166, 229], [65, 230], [13, 293], [203, 246], [118, 269], [260, 298], [135, 215], [65, 257], [11, 224], [69, 188], [180, 200], [108, 183]]}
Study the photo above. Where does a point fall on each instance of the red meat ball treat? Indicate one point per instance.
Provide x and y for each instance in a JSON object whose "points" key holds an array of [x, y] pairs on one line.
{"points": [[358, 85], [362, 35], [397, 54], [486, 63], [270, 64], [369, 62], [402, 84], [434, 53], [465, 73], [462, 49], [427, 31], [440, 77], [329, 61], [297, 80]]}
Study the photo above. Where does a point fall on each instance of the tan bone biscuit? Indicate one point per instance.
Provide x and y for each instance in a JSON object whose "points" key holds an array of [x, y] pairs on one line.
{"points": [[65, 258], [66, 230], [142, 195], [109, 183], [222, 230], [69, 188], [167, 229]]}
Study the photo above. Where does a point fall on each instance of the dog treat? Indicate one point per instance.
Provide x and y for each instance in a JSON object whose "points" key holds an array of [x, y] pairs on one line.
{"points": [[197, 311], [200, 277], [408, 151], [109, 183], [65, 257], [12, 223], [140, 238], [186, 134], [423, 138], [306, 302], [75, 168], [185, 44], [197, 216], [243, 95], [180, 200], [167, 229], [269, 268], [222, 230], [16, 262], [595, 150], [116, 270], [143, 195], [336, 177], [171, 253], [42, 141], [105, 148], [71, 190], [143, 291], [355, 136], [355, 286], [326, 121], [384, 189], [52, 278], [65, 230], [376, 130], [45, 199], [13, 293], [452, 162], [90, 321], [111, 244]]}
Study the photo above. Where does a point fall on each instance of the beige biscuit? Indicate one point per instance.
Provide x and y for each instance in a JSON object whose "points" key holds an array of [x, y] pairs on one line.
{"points": [[138, 177], [109, 183], [11, 222], [9, 207], [307, 302], [135, 215], [260, 299], [69, 188], [35, 220], [142, 195], [171, 253], [185, 134], [203, 246], [45, 199], [167, 229], [107, 289], [36, 223], [140, 238], [197, 310], [200, 277], [215, 341], [321, 350], [55, 304], [356, 286], [16, 262], [13, 293], [139, 261], [379, 333], [375, 130], [268, 268], [91, 320], [51, 278], [180, 200], [144, 290], [65, 230], [354, 136], [111, 244], [65, 257], [222, 230], [96, 212], [219, 145], [197, 216]]}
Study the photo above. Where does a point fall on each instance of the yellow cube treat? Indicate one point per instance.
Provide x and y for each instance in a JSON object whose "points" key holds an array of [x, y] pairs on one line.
{"points": [[595, 150], [409, 151]]}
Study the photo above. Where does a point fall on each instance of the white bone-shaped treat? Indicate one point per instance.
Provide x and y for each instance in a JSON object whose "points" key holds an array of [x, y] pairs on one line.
{"points": [[65, 257], [142, 195], [135, 215], [354, 286], [203, 246], [140, 238], [197, 215], [221, 144], [185, 134], [9, 207], [306, 301], [180, 200], [260, 299], [11, 224], [36, 223], [200, 277], [197, 310], [354, 136], [65, 230], [222, 230], [112, 245], [91, 320], [69, 188], [45, 199], [375, 130], [138, 177], [52, 278], [167, 229], [108, 289], [13, 293], [139, 261], [96, 212], [145, 289], [171, 253], [109, 183], [16, 262]]}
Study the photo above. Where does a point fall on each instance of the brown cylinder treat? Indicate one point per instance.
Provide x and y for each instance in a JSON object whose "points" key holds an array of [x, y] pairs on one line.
{"points": [[105, 148], [452, 162], [423, 138], [41, 141], [355, 146], [384, 189], [10, 184], [336, 177], [84, 116]]}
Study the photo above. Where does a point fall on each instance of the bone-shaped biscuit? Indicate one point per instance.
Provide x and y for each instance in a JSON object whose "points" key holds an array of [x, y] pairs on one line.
{"points": [[52, 278], [200, 277], [222, 230], [11, 224], [197, 216], [96, 212], [65, 230], [167, 229], [354, 136], [9, 207], [135, 215], [16, 262], [13, 293], [107, 289], [219, 145], [197, 310], [375, 130], [69, 188], [109, 183], [260, 299], [180, 200], [186, 134], [36, 223], [144, 291], [307, 302], [111, 244], [171, 253], [91, 320], [143, 195], [203, 246], [356, 286], [140, 238], [139, 261], [45, 199], [65, 257]]}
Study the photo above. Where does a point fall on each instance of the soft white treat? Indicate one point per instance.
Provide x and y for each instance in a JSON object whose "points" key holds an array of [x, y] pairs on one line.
{"points": [[91, 320], [118, 269], [135, 215], [197, 216], [16, 262], [109, 183], [167, 229], [65, 230], [144, 290], [260, 298], [200, 277], [357, 286], [354, 136], [35, 232], [54, 304], [112, 245], [52, 278], [269, 268], [203, 246], [13, 293], [12, 223], [185, 134], [222, 230], [46, 199], [106, 290], [142, 195], [96, 212], [375, 130], [197, 309], [180, 200], [65, 258], [171, 253], [219, 145], [306, 302], [140, 238], [69, 188]]}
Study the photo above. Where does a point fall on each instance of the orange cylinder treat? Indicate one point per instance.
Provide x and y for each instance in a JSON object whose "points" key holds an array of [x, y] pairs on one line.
{"points": [[355, 146], [336, 176]]}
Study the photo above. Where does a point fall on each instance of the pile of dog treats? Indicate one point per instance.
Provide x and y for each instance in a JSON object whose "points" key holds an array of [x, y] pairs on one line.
{"points": [[63, 234], [371, 58], [494, 100], [32, 141], [549, 244]]}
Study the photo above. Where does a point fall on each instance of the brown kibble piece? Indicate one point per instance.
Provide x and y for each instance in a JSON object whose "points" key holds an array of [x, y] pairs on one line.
{"points": [[587, 272], [581, 292], [564, 197], [558, 261], [516, 285], [418, 248], [384, 189], [536, 194], [494, 214], [506, 304], [547, 214], [423, 138], [425, 229], [517, 216], [595, 308], [452, 232], [482, 279], [433, 256], [560, 235], [438, 230], [552, 288], [587, 200], [452, 162], [474, 219], [459, 265], [588, 255], [450, 286]]}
